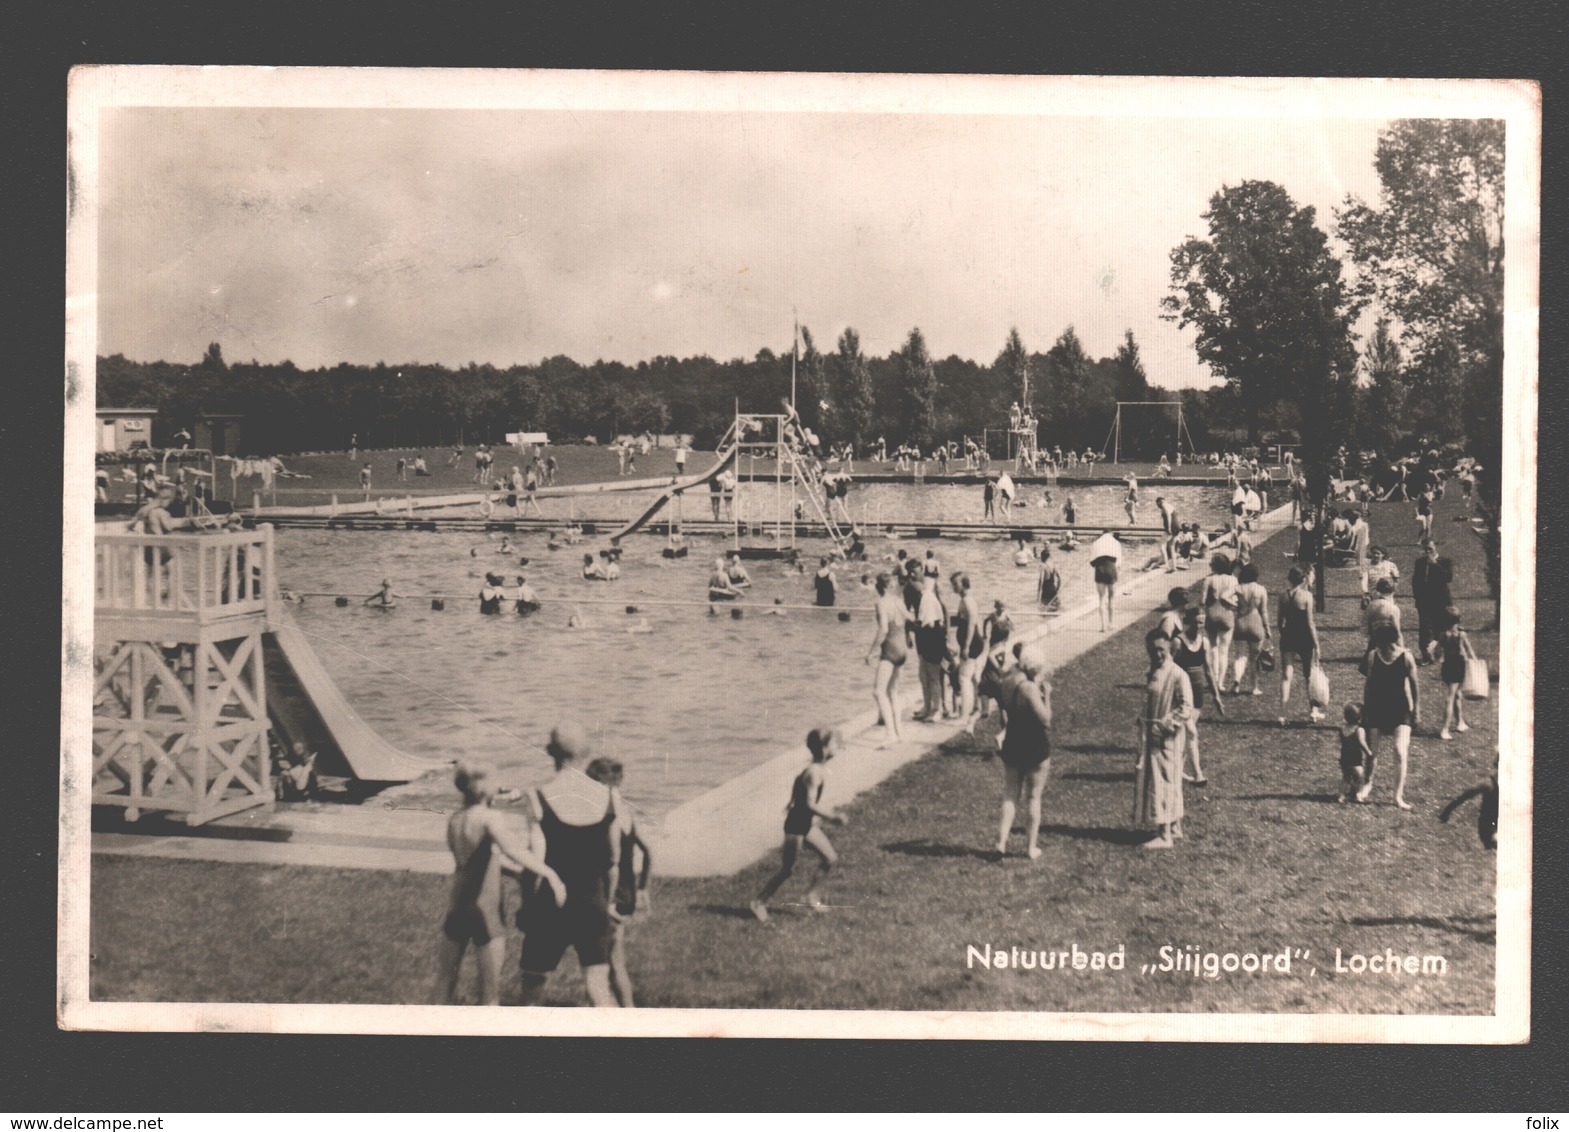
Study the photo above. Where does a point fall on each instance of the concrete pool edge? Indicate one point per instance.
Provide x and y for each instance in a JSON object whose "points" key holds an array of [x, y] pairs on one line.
{"points": [[738, 822], [718, 833]]}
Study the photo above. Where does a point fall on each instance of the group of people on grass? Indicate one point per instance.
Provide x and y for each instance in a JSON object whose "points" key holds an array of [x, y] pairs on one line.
{"points": [[1208, 646], [569, 861]]}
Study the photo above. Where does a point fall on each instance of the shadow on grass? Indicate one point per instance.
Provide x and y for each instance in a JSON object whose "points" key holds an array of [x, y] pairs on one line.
{"points": [[1284, 798], [1097, 833], [729, 910], [923, 847], [1094, 749], [1273, 724], [1456, 924]]}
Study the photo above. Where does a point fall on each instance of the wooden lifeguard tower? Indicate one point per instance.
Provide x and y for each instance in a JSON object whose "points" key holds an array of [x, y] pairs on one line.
{"points": [[179, 694]]}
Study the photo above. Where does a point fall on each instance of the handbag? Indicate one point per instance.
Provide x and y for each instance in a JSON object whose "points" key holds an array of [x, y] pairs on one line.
{"points": [[1318, 686], [1266, 658], [1477, 682]]}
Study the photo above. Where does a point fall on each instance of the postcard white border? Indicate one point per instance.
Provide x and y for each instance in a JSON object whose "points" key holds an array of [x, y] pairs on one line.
{"points": [[93, 89]]}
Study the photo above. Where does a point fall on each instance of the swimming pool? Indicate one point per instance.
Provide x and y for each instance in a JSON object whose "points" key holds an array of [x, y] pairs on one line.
{"points": [[684, 699], [759, 502]]}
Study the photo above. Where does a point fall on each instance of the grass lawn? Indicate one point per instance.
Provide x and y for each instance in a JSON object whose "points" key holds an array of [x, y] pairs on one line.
{"points": [[338, 472], [1270, 862]]}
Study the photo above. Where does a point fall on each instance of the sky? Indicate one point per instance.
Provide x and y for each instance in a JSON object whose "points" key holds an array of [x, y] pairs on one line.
{"points": [[506, 236]]}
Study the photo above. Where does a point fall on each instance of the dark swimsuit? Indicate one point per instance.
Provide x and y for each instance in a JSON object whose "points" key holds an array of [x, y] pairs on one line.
{"points": [[800, 820], [1294, 635], [1191, 661], [1385, 706], [825, 589], [489, 604], [580, 855], [474, 917], [1453, 671], [961, 626], [1051, 586], [1027, 743], [1351, 759]]}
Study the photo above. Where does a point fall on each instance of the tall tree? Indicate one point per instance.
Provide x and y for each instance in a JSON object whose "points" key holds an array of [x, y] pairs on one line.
{"points": [[917, 392], [1273, 315], [1068, 387], [212, 360], [854, 399], [1433, 252], [1014, 366], [816, 403], [1132, 382], [1383, 361], [1267, 300]]}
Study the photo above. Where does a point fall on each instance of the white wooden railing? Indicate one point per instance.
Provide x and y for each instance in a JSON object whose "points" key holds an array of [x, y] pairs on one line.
{"points": [[182, 574]]}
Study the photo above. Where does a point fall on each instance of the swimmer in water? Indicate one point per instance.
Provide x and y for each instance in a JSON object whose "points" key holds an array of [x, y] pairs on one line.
{"points": [[384, 598], [1021, 554], [591, 570], [575, 621], [491, 594], [739, 578], [505, 547], [719, 585]]}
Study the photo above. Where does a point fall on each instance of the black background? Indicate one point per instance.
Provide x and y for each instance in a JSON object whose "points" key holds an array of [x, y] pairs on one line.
{"points": [[44, 1070]]}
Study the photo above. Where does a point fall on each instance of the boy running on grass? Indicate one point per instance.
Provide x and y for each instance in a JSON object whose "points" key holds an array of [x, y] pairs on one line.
{"points": [[801, 824]]}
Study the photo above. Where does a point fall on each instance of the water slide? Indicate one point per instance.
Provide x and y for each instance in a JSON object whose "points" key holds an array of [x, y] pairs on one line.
{"points": [[680, 485], [305, 705]]}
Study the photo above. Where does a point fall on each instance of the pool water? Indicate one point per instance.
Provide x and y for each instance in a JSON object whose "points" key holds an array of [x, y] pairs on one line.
{"points": [[760, 502], [685, 699]]}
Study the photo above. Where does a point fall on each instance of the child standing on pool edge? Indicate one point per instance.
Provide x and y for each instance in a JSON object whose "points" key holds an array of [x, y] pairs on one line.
{"points": [[801, 826]]}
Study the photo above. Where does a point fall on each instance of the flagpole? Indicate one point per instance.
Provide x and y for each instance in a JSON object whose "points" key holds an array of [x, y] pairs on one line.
{"points": [[795, 337]]}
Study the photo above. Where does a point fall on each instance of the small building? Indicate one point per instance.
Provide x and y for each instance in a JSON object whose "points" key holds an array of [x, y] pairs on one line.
{"points": [[218, 432], [120, 430]]}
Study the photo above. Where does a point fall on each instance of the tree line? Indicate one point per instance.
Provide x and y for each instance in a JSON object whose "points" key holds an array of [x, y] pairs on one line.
{"points": [[1271, 300], [844, 395]]}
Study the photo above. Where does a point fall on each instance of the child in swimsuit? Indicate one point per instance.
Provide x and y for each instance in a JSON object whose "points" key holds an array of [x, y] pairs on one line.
{"points": [[1457, 650], [631, 891], [383, 598], [1354, 755], [801, 828]]}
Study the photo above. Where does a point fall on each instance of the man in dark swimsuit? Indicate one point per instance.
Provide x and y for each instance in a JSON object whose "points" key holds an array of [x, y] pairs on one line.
{"points": [[578, 818]]}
